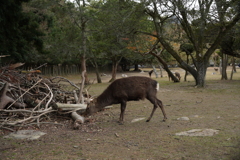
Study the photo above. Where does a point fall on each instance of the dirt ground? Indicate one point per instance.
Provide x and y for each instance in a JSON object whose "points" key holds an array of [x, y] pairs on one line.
{"points": [[217, 106]]}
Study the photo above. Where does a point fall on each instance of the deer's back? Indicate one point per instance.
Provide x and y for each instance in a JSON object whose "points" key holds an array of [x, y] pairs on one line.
{"points": [[131, 88]]}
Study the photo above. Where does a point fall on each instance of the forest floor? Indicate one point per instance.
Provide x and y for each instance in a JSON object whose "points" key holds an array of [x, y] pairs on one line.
{"points": [[217, 106]]}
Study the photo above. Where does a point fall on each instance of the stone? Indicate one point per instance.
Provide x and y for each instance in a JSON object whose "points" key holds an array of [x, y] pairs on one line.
{"points": [[26, 134], [183, 119], [137, 119], [198, 132]]}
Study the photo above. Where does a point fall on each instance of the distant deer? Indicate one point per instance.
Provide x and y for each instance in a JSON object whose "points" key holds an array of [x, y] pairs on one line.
{"points": [[150, 73], [177, 75], [127, 89]]}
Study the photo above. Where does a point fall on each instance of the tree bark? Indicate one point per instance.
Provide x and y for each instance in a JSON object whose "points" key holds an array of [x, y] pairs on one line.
{"points": [[201, 74], [224, 66], [186, 72], [161, 73], [165, 66], [95, 64], [80, 98], [84, 69], [114, 71], [154, 70], [136, 67], [99, 80], [233, 68]]}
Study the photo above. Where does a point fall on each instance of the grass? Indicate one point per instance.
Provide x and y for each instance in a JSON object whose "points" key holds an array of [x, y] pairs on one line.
{"points": [[217, 107]]}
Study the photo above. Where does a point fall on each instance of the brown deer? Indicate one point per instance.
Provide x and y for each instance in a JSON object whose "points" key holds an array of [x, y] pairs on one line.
{"points": [[127, 89], [177, 75]]}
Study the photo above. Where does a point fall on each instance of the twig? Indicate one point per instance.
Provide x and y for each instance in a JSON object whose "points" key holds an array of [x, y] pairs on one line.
{"points": [[24, 93], [40, 102], [24, 110], [44, 123], [29, 118], [50, 96], [66, 80], [39, 67], [7, 128]]}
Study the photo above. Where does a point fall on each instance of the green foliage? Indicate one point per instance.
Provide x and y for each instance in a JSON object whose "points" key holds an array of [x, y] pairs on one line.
{"points": [[187, 48], [230, 43], [113, 24], [20, 35]]}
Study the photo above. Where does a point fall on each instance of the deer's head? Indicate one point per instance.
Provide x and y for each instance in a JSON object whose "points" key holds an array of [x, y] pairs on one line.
{"points": [[91, 108]]}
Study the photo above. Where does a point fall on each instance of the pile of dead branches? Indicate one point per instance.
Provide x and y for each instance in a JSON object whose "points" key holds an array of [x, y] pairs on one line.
{"points": [[26, 97]]}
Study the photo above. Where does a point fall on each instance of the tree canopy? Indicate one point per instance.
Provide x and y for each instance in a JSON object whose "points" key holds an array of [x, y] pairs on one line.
{"points": [[20, 35], [73, 32]]}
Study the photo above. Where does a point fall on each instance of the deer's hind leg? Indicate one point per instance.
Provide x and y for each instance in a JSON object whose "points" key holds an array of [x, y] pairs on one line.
{"points": [[156, 102], [123, 107], [159, 102], [154, 108], [153, 100]]}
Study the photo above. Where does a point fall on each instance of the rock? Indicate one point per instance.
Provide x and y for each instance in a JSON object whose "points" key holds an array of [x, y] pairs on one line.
{"points": [[198, 132], [137, 119], [107, 107], [25, 134], [183, 119]]}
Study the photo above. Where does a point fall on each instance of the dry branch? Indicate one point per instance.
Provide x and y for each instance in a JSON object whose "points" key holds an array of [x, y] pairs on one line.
{"points": [[5, 99], [26, 98], [69, 107], [78, 120]]}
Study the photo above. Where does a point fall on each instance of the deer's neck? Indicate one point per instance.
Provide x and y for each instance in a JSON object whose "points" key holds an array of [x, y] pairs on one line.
{"points": [[104, 100]]}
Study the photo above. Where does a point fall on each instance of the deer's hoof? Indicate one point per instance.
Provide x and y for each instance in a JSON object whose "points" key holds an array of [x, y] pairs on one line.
{"points": [[120, 122], [147, 120], [164, 120]]}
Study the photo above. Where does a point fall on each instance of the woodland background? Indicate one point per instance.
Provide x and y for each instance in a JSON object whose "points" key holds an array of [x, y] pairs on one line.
{"points": [[108, 34]]}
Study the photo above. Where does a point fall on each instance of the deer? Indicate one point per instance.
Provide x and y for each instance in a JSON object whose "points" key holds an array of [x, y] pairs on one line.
{"points": [[122, 90], [177, 75]]}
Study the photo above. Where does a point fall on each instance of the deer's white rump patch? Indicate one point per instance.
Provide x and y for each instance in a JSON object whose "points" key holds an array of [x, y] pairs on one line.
{"points": [[157, 87]]}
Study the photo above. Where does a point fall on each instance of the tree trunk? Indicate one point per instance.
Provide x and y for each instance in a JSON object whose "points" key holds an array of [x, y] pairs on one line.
{"points": [[201, 74], [99, 80], [186, 72], [136, 67], [161, 73], [154, 70], [224, 66], [80, 98], [84, 69], [165, 66], [114, 71], [233, 68], [115, 63], [233, 65]]}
